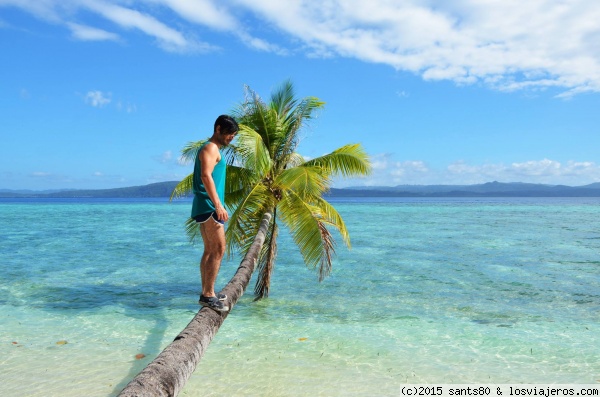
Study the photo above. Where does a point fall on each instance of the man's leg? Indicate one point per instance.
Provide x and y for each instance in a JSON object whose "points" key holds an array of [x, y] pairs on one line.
{"points": [[213, 235]]}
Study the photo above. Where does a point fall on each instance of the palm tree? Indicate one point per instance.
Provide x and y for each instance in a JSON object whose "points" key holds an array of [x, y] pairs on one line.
{"points": [[266, 175], [266, 180]]}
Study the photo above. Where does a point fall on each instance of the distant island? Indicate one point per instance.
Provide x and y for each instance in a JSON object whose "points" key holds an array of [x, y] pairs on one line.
{"points": [[490, 189]]}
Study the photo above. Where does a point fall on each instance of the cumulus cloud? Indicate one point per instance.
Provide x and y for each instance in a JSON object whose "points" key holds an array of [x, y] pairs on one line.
{"points": [[389, 172], [506, 45], [536, 171], [97, 99]]}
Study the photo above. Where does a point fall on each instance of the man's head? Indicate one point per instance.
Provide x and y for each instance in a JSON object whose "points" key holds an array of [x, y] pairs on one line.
{"points": [[226, 124], [225, 130]]}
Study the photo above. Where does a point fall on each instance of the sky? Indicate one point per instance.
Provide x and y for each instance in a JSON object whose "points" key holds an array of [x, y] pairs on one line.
{"points": [[101, 94]]}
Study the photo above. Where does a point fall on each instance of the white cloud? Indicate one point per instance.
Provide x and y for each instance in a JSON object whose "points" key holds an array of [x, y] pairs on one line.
{"points": [[380, 161], [125, 15], [536, 171], [87, 33], [129, 18], [97, 99], [101, 99], [388, 172], [260, 44], [507, 45], [544, 167], [48, 10], [204, 12]]}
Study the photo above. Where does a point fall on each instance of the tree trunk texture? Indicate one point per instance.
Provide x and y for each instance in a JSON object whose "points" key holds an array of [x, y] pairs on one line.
{"points": [[168, 373]]}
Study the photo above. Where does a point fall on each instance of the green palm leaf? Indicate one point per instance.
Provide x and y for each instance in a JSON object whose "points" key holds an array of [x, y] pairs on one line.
{"points": [[349, 160], [183, 188], [329, 215], [190, 151], [244, 222], [192, 230], [252, 151], [305, 181], [308, 231]]}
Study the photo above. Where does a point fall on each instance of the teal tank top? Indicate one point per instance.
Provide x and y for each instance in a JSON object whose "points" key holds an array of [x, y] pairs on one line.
{"points": [[202, 203]]}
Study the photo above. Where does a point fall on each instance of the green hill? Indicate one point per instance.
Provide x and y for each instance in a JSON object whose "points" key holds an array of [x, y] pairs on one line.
{"points": [[490, 189], [160, 189]]}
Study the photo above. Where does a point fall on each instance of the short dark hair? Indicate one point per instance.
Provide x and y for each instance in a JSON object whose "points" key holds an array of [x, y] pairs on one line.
{"points": [[227, 123]]}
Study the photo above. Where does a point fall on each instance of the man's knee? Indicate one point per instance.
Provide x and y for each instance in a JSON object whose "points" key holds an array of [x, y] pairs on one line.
{"points": [[216, 251], [214, 247]]}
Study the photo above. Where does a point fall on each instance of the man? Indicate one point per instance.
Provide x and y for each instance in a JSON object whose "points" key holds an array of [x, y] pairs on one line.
{"points": [[208, 207]]}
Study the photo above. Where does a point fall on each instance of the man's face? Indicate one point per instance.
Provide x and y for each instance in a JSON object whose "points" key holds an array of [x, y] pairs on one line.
{"points": [[225, 138]]}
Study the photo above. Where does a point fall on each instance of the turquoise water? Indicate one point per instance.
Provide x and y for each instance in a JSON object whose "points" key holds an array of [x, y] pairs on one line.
{"points": [[432, 291]]}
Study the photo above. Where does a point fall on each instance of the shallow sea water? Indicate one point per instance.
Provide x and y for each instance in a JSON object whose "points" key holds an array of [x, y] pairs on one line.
{"points": [[438, 291]]}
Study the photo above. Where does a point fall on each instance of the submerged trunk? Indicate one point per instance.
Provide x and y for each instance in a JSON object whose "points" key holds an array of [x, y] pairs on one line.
{"points": [[168, 373]]}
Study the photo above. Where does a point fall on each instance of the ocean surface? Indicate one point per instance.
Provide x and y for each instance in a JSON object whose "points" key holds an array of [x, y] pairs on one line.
{"points": [[477, 291]]}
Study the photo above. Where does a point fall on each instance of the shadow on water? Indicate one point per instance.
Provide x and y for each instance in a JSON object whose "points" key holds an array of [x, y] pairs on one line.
{"points": [[141, 301], [152, 345]]}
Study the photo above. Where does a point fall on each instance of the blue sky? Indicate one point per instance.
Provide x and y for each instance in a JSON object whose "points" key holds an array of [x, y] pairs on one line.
{"points": [[105, 93]]}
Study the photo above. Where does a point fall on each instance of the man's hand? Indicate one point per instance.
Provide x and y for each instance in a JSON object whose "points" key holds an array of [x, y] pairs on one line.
{"points": [[222, 214]]}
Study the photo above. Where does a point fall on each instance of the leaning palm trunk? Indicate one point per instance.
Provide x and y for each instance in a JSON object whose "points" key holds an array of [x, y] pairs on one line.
{"points": [[168, 373], [267, 262]]}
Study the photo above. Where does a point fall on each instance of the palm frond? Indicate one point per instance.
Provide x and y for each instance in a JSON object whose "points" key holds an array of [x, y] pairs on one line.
{"points": [[304, 112], [244, 222], [292, 116], [309, 232], [190, 151], [255, 114], [328, 251], [183, 188], [331, 217], [237, 184], [192, 230], [348, 160], [254, 155], [294, 160], [305, 181], [283, 98]]}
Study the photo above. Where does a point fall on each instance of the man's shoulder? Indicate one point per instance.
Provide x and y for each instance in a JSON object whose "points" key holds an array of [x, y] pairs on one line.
{"points": [[210, 148], [210, 152]]}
